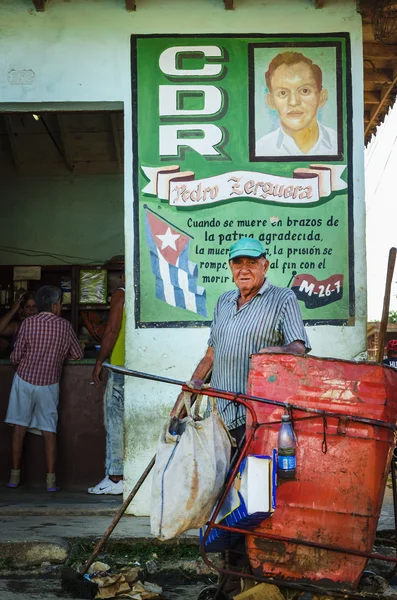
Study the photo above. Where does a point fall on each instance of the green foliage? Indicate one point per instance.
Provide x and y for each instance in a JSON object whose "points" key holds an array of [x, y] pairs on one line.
{"points": [[132, 552], [6, 563], [392, 316]]}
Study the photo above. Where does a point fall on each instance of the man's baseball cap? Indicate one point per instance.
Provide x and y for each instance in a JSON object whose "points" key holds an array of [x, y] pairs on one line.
{"points": [[246, 247], [392, 346]]}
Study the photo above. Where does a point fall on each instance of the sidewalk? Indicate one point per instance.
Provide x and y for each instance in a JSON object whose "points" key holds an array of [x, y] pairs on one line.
{"points": [[34, 502], [27, 513], [29, 517], [35, 517]]}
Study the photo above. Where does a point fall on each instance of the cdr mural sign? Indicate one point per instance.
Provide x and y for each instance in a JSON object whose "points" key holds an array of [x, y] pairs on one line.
{"points": [[235, 137]]}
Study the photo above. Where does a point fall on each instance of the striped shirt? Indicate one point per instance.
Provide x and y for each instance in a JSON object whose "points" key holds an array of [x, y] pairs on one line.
{"points": [[43, 343], [271, 318]]}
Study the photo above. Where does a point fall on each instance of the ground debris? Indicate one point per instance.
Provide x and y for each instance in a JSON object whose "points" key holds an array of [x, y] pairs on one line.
{"points": [[152, 566], [98, 567], [131, 574], [263, 591], [375, 584], [118, 586]]}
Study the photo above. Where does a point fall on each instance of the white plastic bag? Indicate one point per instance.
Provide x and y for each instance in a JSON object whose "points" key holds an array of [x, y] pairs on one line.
{"points": [[189, 473]]}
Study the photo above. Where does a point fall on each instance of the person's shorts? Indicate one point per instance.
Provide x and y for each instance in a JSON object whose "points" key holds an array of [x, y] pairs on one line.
{"points": [[33, 405]]}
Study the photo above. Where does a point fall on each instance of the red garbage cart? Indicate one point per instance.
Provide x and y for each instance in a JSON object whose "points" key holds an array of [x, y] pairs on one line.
{"points": [[344, 413]]}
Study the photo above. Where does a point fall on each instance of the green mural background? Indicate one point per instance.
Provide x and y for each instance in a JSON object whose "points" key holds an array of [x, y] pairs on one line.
{"points": [[216, 226]]}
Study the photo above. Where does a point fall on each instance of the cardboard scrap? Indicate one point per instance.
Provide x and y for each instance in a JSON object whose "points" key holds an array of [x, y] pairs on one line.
{"points": [[143, 591], [131, 574], [117, 586], [263, 591]]}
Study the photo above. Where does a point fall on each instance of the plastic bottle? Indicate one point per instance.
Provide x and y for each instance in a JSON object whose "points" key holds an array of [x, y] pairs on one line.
{"points": [[286, 461]]}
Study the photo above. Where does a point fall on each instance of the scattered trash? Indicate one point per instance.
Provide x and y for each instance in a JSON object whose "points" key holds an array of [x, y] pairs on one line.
{"points": [[111, 585], [263, 591], [375, 584], [125, 585], [151, 566], [131, 574], [98, 567]]}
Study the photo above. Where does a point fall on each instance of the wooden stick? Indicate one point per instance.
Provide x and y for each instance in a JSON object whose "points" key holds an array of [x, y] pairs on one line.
{"points": [[386, 304], [101, 543]]}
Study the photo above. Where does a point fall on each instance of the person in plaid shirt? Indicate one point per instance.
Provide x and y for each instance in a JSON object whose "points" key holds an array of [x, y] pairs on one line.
{"points": [[44, 341]]}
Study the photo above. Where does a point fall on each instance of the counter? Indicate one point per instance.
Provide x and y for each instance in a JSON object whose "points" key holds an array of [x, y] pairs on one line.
{"points": [[81, 434]]}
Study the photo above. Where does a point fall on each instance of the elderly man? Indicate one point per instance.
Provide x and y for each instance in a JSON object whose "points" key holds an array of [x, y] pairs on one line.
{"points": [[258, 317], [296, 93], [44, 342]]}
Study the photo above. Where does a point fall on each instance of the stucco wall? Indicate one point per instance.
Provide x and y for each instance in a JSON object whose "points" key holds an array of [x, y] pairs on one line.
{"points": [[80, 52]]}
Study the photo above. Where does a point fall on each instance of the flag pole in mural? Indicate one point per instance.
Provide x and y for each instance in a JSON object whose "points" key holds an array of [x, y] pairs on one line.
{"points": [[176, 276], [242, 136]]}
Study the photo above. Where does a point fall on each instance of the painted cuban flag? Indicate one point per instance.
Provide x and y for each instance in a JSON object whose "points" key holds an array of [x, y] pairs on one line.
{"points": [[176, 276]]}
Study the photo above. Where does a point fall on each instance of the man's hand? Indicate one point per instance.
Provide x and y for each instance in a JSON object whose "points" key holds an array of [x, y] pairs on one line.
{"points": [[196, 384], [273, 350], [193, 384], [17, 304], [96, 373], [296, 347]]}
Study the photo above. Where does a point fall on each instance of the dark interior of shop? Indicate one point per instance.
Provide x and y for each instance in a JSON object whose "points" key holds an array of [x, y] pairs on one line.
{"points": [[62, 224]]}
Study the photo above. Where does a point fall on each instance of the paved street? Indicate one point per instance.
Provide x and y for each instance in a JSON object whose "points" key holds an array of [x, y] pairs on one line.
{"points": [[31, 516], [49, 589]]}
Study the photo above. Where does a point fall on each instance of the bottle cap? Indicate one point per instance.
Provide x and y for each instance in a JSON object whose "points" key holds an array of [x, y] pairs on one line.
{"points": [[286, 418]]}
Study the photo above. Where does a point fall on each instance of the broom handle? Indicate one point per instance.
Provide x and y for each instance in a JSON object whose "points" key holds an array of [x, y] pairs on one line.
{"points": [[386, 304], [101, 543], [178, 410]]}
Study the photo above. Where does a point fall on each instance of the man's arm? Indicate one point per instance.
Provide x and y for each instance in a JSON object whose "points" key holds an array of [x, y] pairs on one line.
{"points": [[75, 351], [296, 347], [204, 366], [111, 332], [199, 374], [294, 332], [20, 346], [8, 327]]}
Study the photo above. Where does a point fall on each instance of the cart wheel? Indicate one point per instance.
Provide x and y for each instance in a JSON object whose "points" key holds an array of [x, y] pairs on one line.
{"points": [[208, 593]]}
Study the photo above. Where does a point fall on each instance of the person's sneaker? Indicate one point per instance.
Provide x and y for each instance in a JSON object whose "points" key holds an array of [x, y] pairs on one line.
{"points": [[51, 483], [107, 486], [14, 479]]}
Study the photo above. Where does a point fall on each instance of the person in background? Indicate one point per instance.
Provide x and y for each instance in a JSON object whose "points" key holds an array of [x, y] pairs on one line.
{"points": [[113, 345], [391, 350], [24, 307], [44, 341]]}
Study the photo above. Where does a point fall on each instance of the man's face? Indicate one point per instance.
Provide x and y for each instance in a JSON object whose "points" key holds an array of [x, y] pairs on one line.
{"points": [[248, 273], [29, 308], [295, 96]]}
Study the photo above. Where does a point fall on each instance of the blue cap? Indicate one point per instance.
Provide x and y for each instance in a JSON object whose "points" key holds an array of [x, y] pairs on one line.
{"points": [[246, 247]]}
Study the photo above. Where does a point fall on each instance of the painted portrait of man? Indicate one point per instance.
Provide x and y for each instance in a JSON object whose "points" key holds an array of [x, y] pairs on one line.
{"points": [[295, 94]]}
